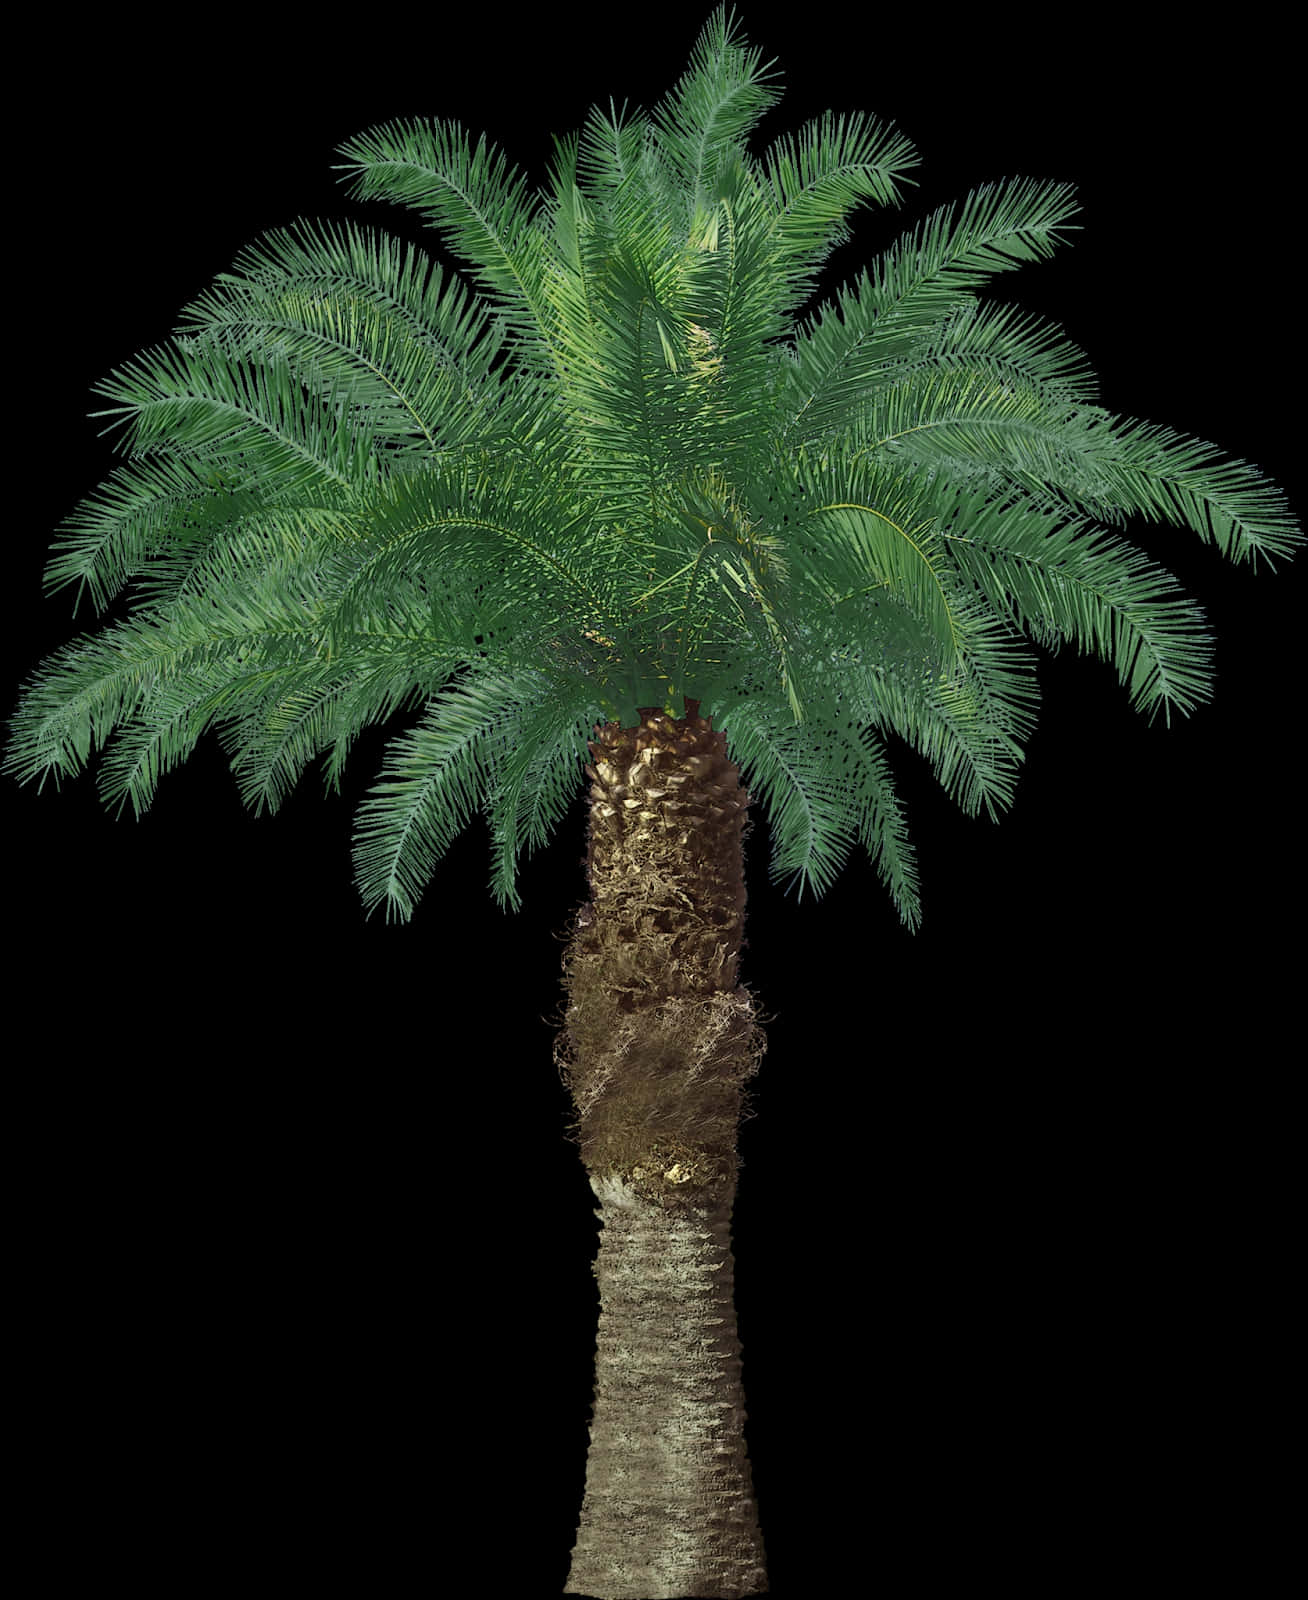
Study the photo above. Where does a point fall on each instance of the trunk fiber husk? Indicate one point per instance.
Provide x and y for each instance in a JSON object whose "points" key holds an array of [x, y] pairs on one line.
{"points": [[659, 1040]]}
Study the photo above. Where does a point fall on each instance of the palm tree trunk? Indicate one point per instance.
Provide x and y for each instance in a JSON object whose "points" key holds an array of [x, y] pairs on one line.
{"points": [[669, 1507], [658, 1043]]}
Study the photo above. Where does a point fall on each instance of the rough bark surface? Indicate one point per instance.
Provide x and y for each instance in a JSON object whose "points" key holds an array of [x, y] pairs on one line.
{"points": [[658, 1043], [669, 1506]]}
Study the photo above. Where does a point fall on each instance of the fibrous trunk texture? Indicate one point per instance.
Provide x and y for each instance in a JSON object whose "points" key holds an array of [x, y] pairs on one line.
{"points": [[658, 1043]]}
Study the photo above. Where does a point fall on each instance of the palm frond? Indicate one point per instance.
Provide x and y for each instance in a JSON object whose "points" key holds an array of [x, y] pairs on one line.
{"points": [[124, 526], [356, 304], [1060, 578], [871, 529], [912, 288], [714, 107], [480, 202], [976, 423], [809, 809], [969, 719], [1153, 470], [476, 518], [610, 150], [193, 397], [534, 784], [134, 670], [817, 176], [434, 777], [1004, 341]]}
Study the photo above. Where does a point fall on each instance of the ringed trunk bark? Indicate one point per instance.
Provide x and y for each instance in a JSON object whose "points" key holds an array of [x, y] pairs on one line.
{"points": [[658, 1042]]}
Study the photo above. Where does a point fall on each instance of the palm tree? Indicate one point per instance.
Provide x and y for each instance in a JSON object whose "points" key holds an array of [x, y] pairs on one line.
{"points": [[624, 494]]}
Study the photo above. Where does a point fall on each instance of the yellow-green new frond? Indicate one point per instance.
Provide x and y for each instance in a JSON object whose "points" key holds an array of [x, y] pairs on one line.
{"points": [[735, 311], [566, 218]]}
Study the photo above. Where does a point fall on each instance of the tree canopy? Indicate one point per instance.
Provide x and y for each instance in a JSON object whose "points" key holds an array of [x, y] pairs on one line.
{"points": [[619, 466]]}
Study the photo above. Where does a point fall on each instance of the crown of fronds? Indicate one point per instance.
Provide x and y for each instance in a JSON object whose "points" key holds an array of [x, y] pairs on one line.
{"points": [[621, 471]]}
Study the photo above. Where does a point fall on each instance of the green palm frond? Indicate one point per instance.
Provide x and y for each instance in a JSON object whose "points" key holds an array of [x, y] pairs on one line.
{"points": [[151, 680], [1004, 342], [882, 830], [810, 812], [617, 471], [433, 780], [1063, 579], [817, 176], [1150, 470], [471, 192], [534, 784], [840, 353], [821, 795], [714, 108], [194, 396], [120, 531], [354, 304], [477, 518]]}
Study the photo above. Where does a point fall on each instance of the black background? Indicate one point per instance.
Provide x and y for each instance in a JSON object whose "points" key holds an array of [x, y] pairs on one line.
{"points": [[300, 1225]]}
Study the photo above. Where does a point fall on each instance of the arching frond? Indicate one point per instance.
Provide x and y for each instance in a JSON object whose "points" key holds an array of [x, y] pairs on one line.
{"points": [[1152, 470], [491, 525], [434, 777], [353, 305], [809, 809], [1001, 340], [872, 529], [125, 526], [911, 289], [975, 424], [194, 395], [470, 191], [825, 785], [534, 784], [142, 672], [882, 830], [816, 178], [1064, 579], [969, 719]]}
